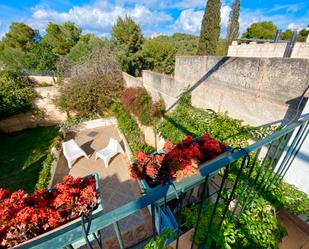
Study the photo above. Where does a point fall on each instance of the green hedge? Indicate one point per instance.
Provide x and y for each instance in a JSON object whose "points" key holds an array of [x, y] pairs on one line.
{"points": [[16, 93], [44, 176], [130, 129], [188, 120]]}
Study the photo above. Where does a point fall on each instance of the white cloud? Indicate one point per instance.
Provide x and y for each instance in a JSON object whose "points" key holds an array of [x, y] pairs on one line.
{"points": [[296, 26], [190, 20], [98, 18]]}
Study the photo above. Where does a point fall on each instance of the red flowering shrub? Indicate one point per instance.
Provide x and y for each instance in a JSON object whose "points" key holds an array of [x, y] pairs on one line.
{"points": [[138, 102], [24, 216], [179, 160]]}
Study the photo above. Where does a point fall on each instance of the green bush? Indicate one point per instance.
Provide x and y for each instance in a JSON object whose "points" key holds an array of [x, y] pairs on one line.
{"points": [[139, 102], [161, 240], [16, 93], [256, 227], [44, 176], [280, 195], [290, 197], [188, 120], [90, 94], [130, 129]]}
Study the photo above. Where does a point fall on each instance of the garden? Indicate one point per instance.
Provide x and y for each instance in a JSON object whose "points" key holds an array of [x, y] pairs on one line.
{"points": [[26, 158]]}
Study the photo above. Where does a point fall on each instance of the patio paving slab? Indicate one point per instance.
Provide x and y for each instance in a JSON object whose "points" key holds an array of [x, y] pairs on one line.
{"points": [[116, 186]]}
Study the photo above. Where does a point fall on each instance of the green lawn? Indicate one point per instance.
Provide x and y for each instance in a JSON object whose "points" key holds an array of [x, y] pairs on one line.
{"points": [[21, 156]]}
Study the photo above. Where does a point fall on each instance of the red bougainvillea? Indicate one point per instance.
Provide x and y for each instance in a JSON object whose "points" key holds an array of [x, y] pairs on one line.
{"points": [[24, 216], [178, 161]]}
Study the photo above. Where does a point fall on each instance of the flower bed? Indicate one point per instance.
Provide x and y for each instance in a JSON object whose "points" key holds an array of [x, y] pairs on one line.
{"points": [[177, 161], [23, 216]]}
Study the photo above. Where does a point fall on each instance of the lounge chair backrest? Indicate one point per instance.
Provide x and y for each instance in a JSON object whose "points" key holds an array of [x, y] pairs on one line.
{"points": [[113, 144]]}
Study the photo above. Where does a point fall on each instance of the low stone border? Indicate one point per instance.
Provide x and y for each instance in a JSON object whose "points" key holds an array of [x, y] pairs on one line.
{"points": [[56, 154]]}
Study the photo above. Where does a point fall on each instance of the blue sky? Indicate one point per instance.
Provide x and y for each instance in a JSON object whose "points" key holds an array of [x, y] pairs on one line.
{"points": [[167, 17]]}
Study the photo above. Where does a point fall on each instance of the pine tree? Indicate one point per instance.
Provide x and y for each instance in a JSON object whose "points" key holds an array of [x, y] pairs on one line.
{"points": [[233, 26], [210, 29]]}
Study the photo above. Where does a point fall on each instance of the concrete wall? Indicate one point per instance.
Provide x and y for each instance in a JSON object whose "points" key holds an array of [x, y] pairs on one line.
{"points": [[257, 50], [43, 79], [162, 86], [256, 90], [267, 50], [300, 50], [132, 81]]}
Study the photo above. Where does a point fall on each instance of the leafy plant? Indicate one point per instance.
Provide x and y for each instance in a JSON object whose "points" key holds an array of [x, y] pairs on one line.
{"points": [[16, 93], [188, 120], [130, 129], [289, 196], [44, 176], [160, 242], [139, 102], [280, 195], [256, 227]]}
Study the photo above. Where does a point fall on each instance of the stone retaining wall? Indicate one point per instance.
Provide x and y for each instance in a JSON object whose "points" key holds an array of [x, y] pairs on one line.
{"points": [[256, 90], [257, 50]]}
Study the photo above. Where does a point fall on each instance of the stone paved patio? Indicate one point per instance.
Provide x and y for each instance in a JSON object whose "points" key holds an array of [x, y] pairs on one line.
{"points": [[116, 186]]}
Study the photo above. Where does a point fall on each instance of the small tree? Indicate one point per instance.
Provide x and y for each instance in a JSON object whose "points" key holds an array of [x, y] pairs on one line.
{"points": [[233, 26], [129, 39], [302, 35], [210, 29], [16, 93], [95, 84], [158, 56], [261, 30], [41, 57], [62, 37], [286, 35], [20, 36], [127, 32]]}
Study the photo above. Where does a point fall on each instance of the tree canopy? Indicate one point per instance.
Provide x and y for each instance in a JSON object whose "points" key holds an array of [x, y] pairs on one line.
{"points": [[20, 36], [210, 29], [233, 25], [62, 37], [158, 56], [261, 30], [127, 32]]}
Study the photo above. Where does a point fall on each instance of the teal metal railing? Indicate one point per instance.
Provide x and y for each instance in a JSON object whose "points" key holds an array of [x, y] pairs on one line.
{"points": [[261, 157]]}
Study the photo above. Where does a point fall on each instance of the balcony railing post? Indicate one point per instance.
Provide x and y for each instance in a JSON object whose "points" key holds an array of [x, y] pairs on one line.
{"points": [[202, 201], [225, 175]]}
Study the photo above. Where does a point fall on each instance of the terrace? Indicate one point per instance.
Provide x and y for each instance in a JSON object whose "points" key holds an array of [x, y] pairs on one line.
{"points": [[117, 188]]}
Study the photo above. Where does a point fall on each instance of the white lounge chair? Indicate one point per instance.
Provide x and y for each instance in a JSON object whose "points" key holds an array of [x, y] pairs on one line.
{"points": [[72, 151], [112, 149]]}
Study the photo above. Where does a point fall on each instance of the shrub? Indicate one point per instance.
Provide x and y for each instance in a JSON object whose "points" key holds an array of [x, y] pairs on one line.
{"points": [[16, 93], [188, 120], [139, 102], [280, 195], [130, 129], [90, 94], [96, 82], [44, 176], [257, 227]]}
